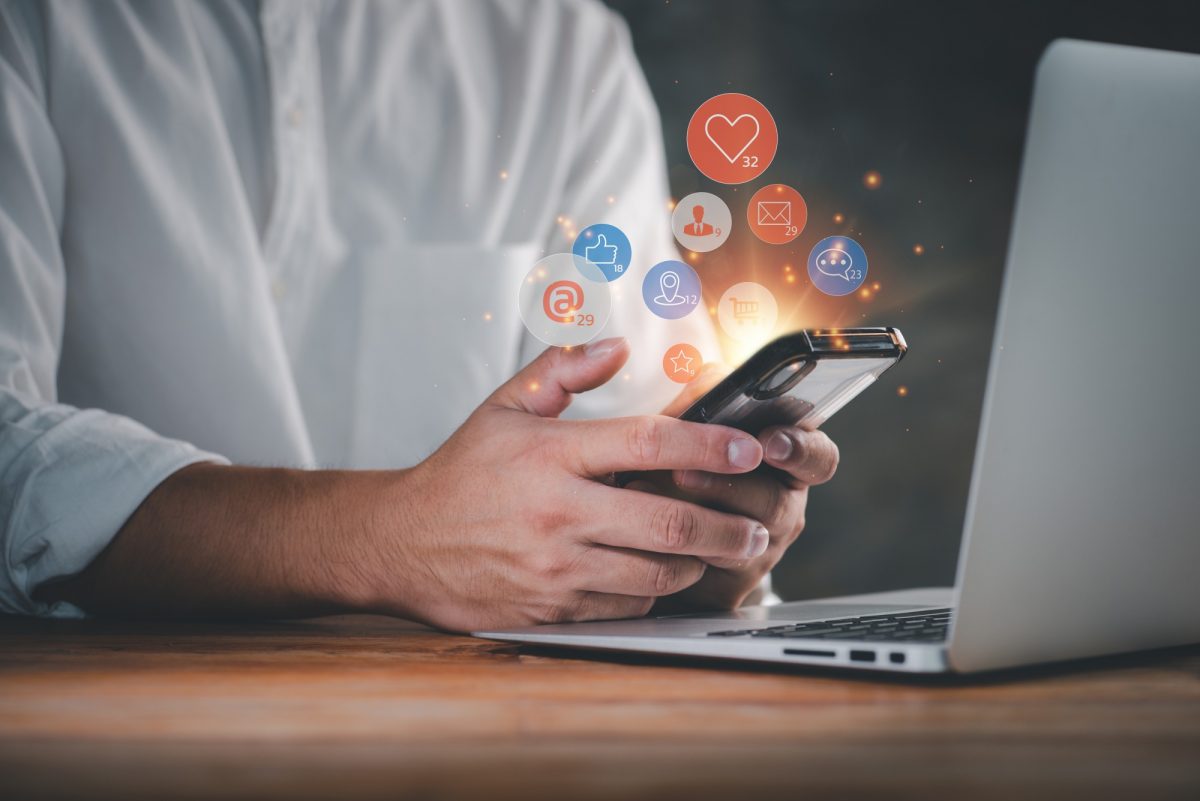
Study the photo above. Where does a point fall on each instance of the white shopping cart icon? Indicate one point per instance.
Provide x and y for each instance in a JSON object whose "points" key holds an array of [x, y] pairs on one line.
{"points": [[745, 311]]}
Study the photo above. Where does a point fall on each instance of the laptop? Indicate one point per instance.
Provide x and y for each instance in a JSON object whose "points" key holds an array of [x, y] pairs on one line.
{"points": [[1082, 531]]}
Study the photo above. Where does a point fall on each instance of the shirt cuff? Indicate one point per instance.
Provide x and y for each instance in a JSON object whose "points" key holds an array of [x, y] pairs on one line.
{"points": [[72, 478]]}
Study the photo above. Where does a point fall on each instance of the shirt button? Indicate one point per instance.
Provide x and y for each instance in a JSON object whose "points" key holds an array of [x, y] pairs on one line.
{"points": [[295, 116], [278, 288]]}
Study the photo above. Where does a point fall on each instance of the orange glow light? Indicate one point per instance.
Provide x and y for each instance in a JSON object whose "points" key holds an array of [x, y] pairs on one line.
{"points": [[839, 218], [902, 391], [918, 248], [872, 180]]}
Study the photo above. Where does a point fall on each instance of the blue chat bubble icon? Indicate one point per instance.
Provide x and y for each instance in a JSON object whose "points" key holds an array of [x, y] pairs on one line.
{"points": [[837, 265]]}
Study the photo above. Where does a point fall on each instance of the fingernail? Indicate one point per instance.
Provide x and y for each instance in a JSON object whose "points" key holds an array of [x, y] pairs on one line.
{"points": [[603, 347], [758, 543], [744, 453], [694, 479], [779, 447]]}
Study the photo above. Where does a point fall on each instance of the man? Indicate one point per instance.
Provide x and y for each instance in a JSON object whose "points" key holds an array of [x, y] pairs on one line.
{"points": [[697, 227], [289, 235]]}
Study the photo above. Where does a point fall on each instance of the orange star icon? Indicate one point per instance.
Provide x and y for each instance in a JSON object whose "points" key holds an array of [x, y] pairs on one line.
{"points": [[681, 363]]}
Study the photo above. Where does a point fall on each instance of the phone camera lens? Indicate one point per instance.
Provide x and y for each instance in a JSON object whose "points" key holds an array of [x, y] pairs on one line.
{"points": [[781, 379]]}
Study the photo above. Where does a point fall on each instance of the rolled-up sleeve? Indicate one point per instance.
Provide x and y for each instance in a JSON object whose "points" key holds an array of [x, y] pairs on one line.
{"points": [[69, 477]]}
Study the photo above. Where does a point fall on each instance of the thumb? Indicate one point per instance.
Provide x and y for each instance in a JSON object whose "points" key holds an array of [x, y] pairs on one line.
{"points": [[601, 241], [545, 386]]}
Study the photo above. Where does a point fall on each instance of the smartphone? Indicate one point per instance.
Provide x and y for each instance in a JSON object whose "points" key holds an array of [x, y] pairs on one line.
{"points": [[800, 379]]}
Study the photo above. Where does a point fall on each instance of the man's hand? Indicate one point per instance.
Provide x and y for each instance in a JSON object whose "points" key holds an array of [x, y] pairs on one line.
{"points": [[515, 520], [776, 494]]}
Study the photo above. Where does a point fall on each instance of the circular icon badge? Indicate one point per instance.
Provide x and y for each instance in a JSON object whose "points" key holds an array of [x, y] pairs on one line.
{"points": [[605, 246], [564, 300], [682, 363], [747, 312], [701, 222], [837, 265], [732, 138], [671, 290], [777, 214]]}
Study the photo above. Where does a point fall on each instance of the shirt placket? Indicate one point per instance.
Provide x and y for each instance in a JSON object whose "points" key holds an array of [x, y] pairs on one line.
{"points": [[289, 44]]}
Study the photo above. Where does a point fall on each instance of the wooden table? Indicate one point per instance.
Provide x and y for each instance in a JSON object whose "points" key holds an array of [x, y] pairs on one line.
{"points": [[362, 707]]}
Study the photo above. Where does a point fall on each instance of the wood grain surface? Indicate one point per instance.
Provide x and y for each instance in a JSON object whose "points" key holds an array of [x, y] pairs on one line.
{"points": [[373, 708]]}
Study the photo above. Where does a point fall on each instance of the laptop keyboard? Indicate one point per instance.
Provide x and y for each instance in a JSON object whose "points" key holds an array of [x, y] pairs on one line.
{"points": [[925, 625]]}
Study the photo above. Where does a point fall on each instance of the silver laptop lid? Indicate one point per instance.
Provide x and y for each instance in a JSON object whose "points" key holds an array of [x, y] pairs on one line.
{"points": [[1082, 531]]}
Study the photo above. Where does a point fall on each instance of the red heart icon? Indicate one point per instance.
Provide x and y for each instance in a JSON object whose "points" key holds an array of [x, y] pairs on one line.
{"points": [[732, 137]]}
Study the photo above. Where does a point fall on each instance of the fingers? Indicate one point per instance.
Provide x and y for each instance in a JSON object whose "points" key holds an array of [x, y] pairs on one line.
{"points": [[546, 384], [777, 504], [710, 375], [720, 589], [648, 522], [627, 572], [810, 457], [605, 606], [759, 496], [661, 443]]}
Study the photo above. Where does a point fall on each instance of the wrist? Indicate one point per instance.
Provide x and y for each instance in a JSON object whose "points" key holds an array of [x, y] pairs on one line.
{"points": [[370, 568]]}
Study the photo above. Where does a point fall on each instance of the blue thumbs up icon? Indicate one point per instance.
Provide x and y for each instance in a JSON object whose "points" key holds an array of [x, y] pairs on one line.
{"points": [[605, 246], [601, 252]]}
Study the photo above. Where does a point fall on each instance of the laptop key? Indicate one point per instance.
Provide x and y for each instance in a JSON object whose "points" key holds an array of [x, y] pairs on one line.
{"points": [[921, 613], [811, 632]]}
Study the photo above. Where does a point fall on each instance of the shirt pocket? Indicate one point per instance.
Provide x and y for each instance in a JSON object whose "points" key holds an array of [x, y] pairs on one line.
{"points": [[440, 330]]}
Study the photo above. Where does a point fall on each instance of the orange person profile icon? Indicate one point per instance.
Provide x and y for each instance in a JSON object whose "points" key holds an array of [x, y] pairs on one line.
{"points": [[701, 222], [698, 227]]}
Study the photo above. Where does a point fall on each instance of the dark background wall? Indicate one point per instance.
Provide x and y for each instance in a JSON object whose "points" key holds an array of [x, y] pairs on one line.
{"points": [[933, 95]]}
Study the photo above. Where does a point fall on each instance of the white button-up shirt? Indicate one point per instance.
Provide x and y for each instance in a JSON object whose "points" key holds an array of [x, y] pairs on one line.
{"points": [[292, 235]]}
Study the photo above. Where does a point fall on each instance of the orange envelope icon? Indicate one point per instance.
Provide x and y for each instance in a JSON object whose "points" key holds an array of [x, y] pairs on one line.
{"points": [[774, 212]]}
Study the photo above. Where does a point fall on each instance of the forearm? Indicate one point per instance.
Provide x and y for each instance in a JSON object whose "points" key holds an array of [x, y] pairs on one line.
{"points": [[214, 540]]}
